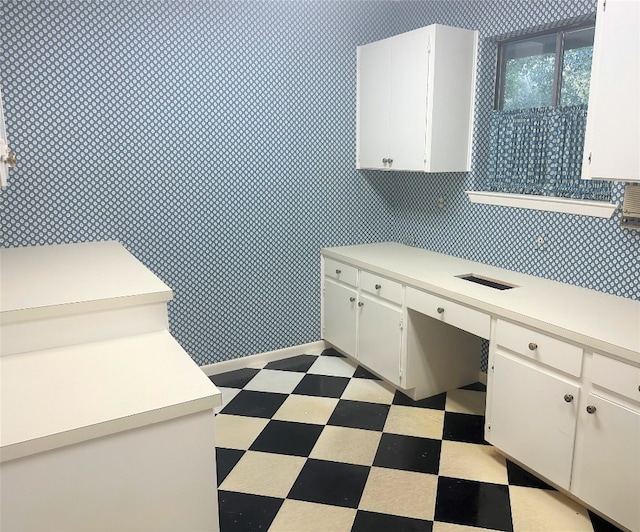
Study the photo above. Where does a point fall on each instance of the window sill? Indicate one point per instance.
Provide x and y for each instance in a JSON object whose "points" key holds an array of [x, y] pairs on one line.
{"points": [[599, 209]]}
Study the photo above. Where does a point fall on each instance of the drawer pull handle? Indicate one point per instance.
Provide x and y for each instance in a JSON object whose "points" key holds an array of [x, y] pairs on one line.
{"points": [[568, 397], [352, 299], [440, 310], [338, 272], [378, 287], [533, 346], [591, 409], [360, 304]]}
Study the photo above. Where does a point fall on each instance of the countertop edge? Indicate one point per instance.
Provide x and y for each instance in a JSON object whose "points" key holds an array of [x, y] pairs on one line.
{"points": [[595, 343]]}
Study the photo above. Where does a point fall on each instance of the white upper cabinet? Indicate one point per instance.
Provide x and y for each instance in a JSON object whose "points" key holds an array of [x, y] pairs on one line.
{"points": [[416, 99], [613, 120]]}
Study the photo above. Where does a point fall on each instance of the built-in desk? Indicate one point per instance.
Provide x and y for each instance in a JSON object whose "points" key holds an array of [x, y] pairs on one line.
{"points": [[563, 382], [106, 423]]}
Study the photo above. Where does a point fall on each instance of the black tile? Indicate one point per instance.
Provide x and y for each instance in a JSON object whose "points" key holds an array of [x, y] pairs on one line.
{"points": [[463, 427], [286, 437], [300, 363], [521, 477], [331, 352], [363, 373], [476, 387], [226, 460], [255, 404], [321, 385], [436, 402], [241, 512], [359, 415], [373, 522], [409, 453], [471, 503], [234, 379], [602, 525], [332, 483]]}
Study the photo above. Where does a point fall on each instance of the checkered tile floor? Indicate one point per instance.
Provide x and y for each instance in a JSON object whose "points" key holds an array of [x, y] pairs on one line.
{"points": [[317, 443]]}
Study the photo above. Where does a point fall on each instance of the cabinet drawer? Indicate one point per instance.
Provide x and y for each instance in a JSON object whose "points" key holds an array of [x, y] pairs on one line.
{"points": [[341, 272], [616, 376], [381, 287], [455, 314], [540, 347]]}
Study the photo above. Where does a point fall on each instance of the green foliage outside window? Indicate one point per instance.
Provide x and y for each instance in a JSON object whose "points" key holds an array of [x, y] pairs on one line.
{"points": [[529, 82]]}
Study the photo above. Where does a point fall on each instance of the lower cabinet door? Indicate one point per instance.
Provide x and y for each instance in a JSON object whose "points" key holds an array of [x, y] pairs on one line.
{"points": [[340, 316], [380, 338], [533, 418], [607, 462]]}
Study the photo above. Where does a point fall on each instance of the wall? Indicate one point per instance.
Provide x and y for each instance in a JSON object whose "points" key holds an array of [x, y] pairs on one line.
{"points": [[216, 141]]}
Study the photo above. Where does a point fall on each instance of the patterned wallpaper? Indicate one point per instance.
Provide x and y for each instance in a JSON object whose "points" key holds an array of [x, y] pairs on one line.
{"points": [[216, 141]]}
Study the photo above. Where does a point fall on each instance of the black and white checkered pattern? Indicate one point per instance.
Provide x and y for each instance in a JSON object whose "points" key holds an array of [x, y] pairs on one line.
{"points": [[319, 443]]}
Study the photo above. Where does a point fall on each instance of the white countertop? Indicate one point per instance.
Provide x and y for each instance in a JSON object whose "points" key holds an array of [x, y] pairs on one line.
{"points": [[71, 278], [66, 395], [601, 321]]}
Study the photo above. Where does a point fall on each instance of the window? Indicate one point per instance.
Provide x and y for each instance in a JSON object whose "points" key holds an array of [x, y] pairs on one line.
{"points": [[546, 69], [538, 125]]}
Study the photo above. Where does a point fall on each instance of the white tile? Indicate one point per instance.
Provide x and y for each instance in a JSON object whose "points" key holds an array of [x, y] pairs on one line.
{"points": [[410, 421], [466, 402], [306, 409], [369, 390], [538, 510], [347, 445], [439, 526], [237, 432], [297, 516], [269, 380], [334, 366], [266, 474], [472, 462], [398, 492]]}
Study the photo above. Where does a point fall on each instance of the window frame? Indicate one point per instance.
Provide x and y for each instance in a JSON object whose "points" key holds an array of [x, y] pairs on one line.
{"points": [[560, 32]]}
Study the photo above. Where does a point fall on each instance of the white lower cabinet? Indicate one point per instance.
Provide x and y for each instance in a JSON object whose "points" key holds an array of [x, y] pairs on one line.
{"points": [[586, 443], [607, 460], [380, 338], [362, 317], [533, 417], [339, 317]]}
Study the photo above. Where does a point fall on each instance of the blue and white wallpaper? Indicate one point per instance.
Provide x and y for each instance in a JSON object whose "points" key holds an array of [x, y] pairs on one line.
{"points": [[216, 141]]}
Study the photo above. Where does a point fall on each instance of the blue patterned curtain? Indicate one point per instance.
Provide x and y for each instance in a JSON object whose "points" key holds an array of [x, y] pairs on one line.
{"points": [[539, 151]]}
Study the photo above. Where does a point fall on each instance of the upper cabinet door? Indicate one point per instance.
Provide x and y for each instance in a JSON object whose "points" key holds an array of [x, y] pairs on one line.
{"points": [[613, 125], [415, 101], [374, 113], [409, 75]]}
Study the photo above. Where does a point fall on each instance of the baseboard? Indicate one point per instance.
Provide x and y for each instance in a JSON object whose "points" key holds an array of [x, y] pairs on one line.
{"points": [[482, 377], [260, 359]]}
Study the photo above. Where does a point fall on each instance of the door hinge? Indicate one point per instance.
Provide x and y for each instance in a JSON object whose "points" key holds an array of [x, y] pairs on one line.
{"points": [[401, 325], [604, 5], [493, 367]]}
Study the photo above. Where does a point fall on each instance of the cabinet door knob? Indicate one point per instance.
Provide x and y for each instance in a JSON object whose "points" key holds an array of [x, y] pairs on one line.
{"points": [[338, 272], [360, 304], [378, 287], [591, 409], [533, 346], [385, 160], [568, 397], [389, 161], [352, 299], [440, 310]]}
